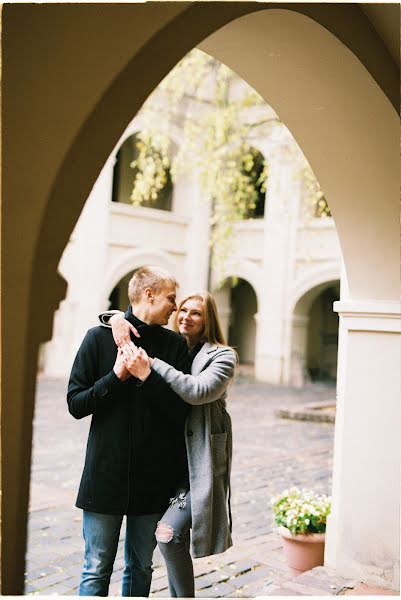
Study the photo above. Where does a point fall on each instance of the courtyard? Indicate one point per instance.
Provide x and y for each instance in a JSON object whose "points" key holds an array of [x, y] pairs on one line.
{"points": [[270, 454]]}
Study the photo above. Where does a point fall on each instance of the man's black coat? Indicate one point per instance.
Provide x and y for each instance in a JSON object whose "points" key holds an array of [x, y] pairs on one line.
{"points": [[135, 454]]}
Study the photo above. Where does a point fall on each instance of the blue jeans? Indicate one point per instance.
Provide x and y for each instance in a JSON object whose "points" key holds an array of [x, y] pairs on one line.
{"points": [[101, 534]]}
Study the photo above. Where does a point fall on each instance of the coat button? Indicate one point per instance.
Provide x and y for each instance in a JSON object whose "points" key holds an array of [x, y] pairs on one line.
{"points": [[189, 432]]}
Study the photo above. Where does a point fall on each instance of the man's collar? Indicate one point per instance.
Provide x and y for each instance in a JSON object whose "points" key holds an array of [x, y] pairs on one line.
{"points": [[143, 328]]}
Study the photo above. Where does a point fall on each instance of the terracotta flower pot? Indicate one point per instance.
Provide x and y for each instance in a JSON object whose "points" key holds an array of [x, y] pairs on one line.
{"points": [[302, 551]]}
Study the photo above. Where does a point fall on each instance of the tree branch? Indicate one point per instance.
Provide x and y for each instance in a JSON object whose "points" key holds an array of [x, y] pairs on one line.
{"points": [[263, 122]]}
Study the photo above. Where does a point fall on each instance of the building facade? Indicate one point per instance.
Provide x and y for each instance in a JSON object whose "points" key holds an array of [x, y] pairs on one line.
{"points": [[277, 287]]}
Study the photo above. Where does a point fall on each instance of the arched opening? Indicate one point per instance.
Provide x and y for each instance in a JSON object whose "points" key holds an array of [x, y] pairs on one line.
{"points": [[322, 346], [76, 146], [255, 169], [314, 337], [242, 323], [118, 299], [125, 172]]}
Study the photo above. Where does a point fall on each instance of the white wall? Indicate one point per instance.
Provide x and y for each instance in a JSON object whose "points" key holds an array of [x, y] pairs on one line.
{"points": [[280, 255]]}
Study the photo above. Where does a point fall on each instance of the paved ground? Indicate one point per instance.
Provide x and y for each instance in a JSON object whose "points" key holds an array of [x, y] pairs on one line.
{"points": [[270, 454]]}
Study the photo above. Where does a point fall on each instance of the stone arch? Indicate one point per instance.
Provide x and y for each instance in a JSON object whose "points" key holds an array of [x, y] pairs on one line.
{"points": [[244, 321], [131, 260], [310, 286], [123, 176], [333, 36], [304, 293], [342, 94], [314, 332], [76, 124], [238, 310], [135, 127], [246, 270]]}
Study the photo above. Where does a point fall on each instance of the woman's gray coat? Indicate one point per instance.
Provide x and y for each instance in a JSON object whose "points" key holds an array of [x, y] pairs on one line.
{"points": [[208, 436]]}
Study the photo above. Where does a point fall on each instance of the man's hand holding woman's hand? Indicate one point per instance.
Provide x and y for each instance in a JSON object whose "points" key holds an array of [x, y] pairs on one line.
{"points": [[120, 368], [130, 359], [136, 361]]}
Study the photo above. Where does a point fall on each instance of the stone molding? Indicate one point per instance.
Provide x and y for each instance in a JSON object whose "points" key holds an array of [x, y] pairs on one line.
{"points": [[316, 276], [369, 315], [148, 213], [132, 260]]}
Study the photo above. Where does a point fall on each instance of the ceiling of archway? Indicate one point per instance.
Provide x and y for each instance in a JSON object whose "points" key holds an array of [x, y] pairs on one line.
{"points": [[385, 18]]}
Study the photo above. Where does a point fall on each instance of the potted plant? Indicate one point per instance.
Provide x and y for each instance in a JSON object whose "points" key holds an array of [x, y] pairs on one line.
{"points": [[301, 516]]}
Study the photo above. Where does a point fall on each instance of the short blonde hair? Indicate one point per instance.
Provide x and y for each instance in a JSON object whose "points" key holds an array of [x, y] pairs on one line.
{"points": [[154, 278], [212, 331]]}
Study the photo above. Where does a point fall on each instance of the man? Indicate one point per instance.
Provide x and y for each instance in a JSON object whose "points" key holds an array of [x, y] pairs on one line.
{"points": [[135, 442]]}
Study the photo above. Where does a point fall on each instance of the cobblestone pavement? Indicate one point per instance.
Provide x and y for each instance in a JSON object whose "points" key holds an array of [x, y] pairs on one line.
{"points": [[270, 454]]}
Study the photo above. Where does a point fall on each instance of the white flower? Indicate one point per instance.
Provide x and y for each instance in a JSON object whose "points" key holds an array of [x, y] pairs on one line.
{"points": [[294, 509]]}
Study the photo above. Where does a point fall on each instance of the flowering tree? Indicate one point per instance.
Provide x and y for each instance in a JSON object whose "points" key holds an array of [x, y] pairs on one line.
{"points": [[219, 116]]}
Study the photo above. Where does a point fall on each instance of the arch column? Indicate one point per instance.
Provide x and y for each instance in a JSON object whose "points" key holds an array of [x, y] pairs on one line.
{"points": [[222, 297], [78, 312], [362, 533], [279, 250], [19, 364], [197, 265], [295, 366]]}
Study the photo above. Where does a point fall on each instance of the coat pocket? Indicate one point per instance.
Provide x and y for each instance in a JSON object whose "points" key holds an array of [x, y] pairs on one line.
{"points": [[219, 453]]}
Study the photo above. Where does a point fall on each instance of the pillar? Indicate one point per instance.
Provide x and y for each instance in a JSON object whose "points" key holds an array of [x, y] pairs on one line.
{"points": [[363, 529], [281, 216], [198, 252], [83, 265], [222, 297], [296, 366]]}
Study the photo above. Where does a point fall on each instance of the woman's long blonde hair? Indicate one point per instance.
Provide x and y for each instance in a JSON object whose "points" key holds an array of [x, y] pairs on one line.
{"points": [[212, 331]]}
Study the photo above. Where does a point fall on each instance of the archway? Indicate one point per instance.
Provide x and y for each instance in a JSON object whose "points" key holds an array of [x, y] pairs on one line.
{"points": [[127, 263], [242, 330], [124, 173], [118, 299], [258, 211], [238, 306], [346, 88], [322, 347], [314, 338]]}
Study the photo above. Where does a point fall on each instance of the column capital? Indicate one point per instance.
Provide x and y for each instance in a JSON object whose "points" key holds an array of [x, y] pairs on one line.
{"points": [[369, 315]]}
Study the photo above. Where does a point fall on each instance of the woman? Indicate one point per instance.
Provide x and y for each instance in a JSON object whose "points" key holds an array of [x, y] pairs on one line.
{"points": [[203, 500]]}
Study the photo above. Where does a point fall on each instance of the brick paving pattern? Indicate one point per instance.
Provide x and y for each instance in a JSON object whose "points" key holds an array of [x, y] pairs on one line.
{"points": [[270, 454]]}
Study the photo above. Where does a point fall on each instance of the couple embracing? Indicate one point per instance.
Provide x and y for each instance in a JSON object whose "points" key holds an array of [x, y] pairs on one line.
{"points": [[160, 441]]}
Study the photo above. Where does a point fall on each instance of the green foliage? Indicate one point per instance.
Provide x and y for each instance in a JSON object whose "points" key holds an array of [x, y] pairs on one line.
{"points": [[218, 120], [151, 166], [216, 115], [301, 511], [315, 197], [322, 209]]}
